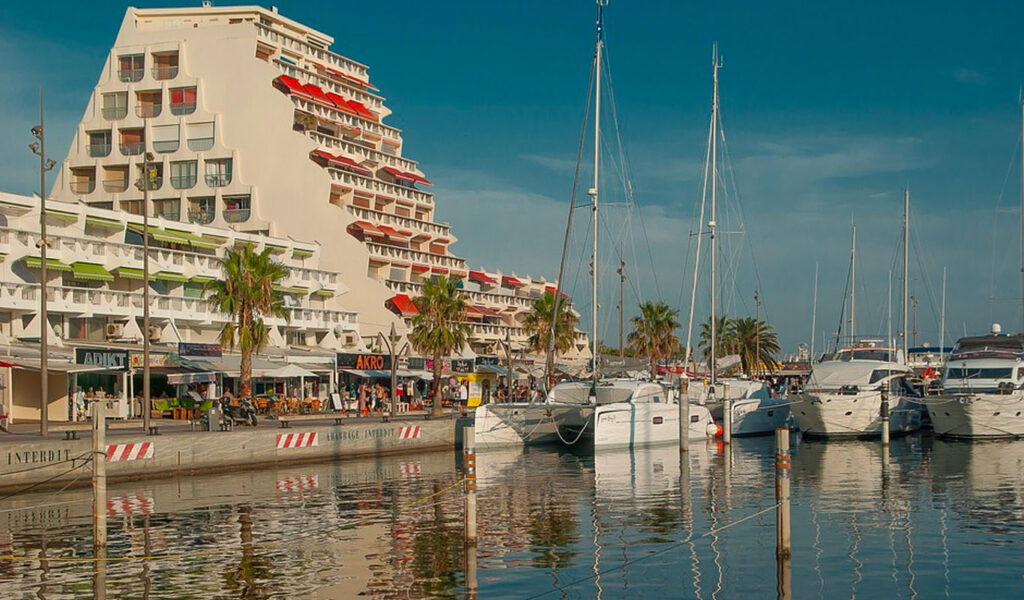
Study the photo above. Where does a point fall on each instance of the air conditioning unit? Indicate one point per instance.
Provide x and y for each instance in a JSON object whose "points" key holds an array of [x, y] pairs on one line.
{"points": [[154, 332], [115, 330]]}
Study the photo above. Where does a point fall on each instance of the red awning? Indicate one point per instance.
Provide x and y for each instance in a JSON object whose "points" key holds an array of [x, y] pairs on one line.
{"points": [[367, 228], [481, 277], [393, 233], [442, 270], [420, 179], [362, 110], [341, 103], [327, 156], [473, 311], [442, 240], [317, 94], [292, 86], [405, 306], [400, 175], [487, 312], [351, 165], [356, 80], [419, 267], [552, 289], [510, 281]]}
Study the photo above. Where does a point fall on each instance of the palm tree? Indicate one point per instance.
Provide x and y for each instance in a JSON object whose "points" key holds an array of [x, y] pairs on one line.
{"points": [[247, 293], [439, 329], [724, 336], [653, 332], [751, 336], [537, 324]]}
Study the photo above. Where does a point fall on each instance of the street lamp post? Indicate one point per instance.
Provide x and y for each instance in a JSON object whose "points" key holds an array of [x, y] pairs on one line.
{"points": [[38, 148], [391, 341], [145, 182], [508, 359]]}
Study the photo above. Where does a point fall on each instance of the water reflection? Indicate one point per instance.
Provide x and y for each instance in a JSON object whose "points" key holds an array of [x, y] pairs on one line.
{"points": [[637, 524]]}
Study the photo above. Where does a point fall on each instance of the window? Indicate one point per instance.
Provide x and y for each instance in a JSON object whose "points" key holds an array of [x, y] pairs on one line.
{"points": [[969, 373], [183, 100], [200, 136], [218, 172], [165, 65], [168, 208], [165, 138], [133, 141], [201, 210], [397, 274], [148, 103], [115, 179], [83, 180], [155, 176], [183, 174], [131, 67], [115, 106], [236, 208], [99, 143], [132, 207]]}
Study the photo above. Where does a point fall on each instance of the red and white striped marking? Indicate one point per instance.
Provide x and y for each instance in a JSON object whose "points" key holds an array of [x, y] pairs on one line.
{"points": [[409, 470], [131, 504], [297, 440], [409, 433], [298, 484], [134, 451]]}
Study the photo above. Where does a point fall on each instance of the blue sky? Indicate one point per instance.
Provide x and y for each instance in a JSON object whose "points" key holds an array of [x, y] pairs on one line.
{"points": [[829, 112]]}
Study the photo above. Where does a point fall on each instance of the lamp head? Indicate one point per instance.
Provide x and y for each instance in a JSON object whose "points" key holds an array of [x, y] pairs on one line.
{"points": [[37, 131], [149, 157], [49, 164], [34, 147]]}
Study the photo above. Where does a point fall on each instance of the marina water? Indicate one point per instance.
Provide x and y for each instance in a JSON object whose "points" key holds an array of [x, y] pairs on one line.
{"points": [[944, 520]]}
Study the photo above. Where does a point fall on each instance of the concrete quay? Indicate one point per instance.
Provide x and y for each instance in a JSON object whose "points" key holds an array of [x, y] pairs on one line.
{"points": [[27, 459]]}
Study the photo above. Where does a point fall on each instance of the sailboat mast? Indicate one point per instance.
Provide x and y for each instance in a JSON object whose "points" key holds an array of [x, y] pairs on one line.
{"points": [[942, 321], [1022, 213], [711, 223], [814, 312], [853, 285], [906, 265], [594, 189]]}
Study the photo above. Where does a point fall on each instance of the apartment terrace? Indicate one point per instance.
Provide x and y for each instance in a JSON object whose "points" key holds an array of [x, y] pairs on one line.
{"points": [[398, 221], [357, 72], [378, 186], [362, 152]]}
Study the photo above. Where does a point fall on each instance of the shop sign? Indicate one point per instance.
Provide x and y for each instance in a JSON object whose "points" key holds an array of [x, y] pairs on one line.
{"points": [[487, 360], [462, 365], [111, 360], [417, 363], [202, 350], [364, 362], [135, 359]]}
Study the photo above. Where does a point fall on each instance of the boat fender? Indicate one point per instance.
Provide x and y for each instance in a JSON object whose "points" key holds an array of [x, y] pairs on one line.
{"points": [[714, 430]]}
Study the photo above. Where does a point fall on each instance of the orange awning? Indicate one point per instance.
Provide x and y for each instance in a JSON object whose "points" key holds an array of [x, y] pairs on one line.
{"points": [[419, 267], [400, 175], [404, 305], [367, 228], [510, 281], [393, 233]]}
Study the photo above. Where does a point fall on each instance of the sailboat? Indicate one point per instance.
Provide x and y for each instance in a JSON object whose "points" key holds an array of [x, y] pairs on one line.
{"points": [[844, 392], [750, 403]]}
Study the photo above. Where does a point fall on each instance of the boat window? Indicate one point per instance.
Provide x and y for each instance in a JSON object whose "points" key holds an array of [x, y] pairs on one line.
{"points": [[880, 374], [974, 373], [871, 354]]}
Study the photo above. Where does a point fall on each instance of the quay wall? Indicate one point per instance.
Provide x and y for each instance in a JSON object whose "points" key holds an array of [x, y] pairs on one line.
{"points": [[47, 460]]}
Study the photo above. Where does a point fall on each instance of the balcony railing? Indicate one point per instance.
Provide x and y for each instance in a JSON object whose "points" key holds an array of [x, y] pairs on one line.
{"points": [[183, 182], [84, 186], [133, 148], [148, 110], [131, 75], [115, 185], [155, 183], [200, 217], [404, 222], [115, 113], [97, 150], [200, 144], [183, 108], [219, 180], [165, 72], [415, 255], [236, 215], [166, 146]]}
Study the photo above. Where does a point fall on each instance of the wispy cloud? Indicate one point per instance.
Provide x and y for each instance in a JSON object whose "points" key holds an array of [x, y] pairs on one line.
{"points": [[558, 164], [969, 77]]}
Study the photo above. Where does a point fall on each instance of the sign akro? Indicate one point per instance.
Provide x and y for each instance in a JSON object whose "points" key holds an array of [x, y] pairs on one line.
{"points": [[112, 360], [364, 362]]}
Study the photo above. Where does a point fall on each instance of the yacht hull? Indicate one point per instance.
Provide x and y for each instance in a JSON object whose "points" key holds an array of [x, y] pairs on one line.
{"points": [[516, 424], [977, 416], [753, 416], [628, 425], [826, 414]]}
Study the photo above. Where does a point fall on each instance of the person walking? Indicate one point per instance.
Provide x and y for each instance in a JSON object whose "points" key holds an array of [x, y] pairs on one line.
{"points": [[463, 397]]}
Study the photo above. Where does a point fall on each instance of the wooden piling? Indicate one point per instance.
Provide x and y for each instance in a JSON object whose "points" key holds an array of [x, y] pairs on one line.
{"points": [[684, 418], [469, 466], [726, 420], [885, 418], [783, 548], [99, 476]]}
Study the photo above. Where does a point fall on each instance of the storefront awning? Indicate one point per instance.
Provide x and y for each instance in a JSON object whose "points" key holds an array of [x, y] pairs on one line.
{"points": [[495, 369], [186, 378], [368, 374], [91, 272]]}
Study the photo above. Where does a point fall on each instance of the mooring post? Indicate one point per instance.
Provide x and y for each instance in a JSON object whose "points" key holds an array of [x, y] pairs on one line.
{"points": [[783, 549], [99, 476], [726, 420], [469, 466], [684, 417], [885, 417]]}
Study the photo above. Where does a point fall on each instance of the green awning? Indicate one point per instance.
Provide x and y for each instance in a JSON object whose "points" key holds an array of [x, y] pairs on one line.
{"points": [[291, 290], [170, 276], [103, 222], [91, 272], [195, 240], [203, 279], [324, 293], [241, 243], [302, 252], [35, 262], [160, 235], [128, 273], [276, 248], [60, 214]]}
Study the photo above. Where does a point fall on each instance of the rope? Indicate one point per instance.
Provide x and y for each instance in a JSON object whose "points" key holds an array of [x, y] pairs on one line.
{"points": [[558, 430], [47, 480], [179, 555]]}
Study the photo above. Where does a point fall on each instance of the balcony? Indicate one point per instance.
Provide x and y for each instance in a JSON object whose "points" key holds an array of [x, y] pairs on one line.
{"points": [[115, 186], [131, 75], [132, 148], [161, 72], [148, 110], [183, 182], [236, 215], [183, 108], [83, 186], [218, 180], [115, 113], [98, 150], [201, 217], [200, 144]]}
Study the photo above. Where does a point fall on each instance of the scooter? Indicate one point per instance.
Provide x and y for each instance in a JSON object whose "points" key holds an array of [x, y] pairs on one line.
{"points": [[245, 412]]}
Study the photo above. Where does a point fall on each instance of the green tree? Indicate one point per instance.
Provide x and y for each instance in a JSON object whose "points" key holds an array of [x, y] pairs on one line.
{"points": [[724, 338], [653, 333], [439, 329], [537, 324], [750, 336], [247, 293]]}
